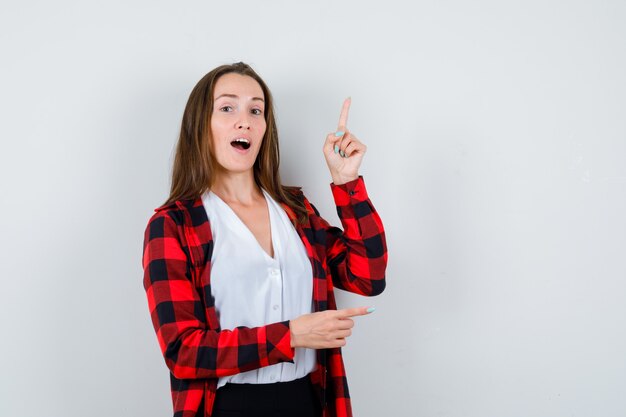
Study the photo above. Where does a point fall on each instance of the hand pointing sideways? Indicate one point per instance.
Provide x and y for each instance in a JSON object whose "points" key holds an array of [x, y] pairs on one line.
{"points": [[324, 329]]}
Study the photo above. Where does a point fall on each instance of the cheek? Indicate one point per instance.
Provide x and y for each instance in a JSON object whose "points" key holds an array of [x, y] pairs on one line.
{"points": [[262, 127], [217, 134], [218, 127]]}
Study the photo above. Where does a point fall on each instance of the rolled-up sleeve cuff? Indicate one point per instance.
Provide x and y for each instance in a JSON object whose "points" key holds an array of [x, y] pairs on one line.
{"points": [[275, 344]]}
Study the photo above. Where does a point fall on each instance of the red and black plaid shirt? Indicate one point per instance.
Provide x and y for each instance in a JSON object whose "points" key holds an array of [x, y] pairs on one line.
{"points": [[177, 279]]}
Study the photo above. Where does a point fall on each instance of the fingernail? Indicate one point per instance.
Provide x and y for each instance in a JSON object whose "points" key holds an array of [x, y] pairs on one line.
{"points": [[371, 309], [339, 134], [342, 153], [336, 148]]}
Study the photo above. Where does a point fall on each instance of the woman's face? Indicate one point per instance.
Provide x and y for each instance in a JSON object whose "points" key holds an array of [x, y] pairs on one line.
{"points": [[238, 121]]}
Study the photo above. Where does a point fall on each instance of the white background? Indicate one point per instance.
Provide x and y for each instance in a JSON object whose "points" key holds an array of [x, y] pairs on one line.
{"points": [[496, 141]]}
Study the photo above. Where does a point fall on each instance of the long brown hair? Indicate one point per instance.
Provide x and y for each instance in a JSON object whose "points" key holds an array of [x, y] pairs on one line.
{"points": [[194, 162]]}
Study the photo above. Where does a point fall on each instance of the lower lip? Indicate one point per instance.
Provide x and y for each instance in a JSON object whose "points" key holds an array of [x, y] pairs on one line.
{"points": [[241, 151]]}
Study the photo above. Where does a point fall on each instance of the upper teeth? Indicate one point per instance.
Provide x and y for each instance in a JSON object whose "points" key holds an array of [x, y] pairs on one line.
{"points": [[242, 140]]}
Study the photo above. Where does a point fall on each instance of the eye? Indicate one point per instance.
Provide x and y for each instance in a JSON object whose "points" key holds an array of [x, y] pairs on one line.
{"points": [[258, 112], [226, 109]]}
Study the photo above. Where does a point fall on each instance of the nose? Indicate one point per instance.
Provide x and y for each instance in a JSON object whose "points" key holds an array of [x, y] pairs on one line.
{"points": [[243, 123]]}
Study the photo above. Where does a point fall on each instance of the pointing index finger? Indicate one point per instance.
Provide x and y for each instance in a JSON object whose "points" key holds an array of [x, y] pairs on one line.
{"points": [[358, 311], [343, 118]]}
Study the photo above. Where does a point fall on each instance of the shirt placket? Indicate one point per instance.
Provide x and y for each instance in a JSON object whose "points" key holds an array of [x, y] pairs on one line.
{"points": [[276, 308]]}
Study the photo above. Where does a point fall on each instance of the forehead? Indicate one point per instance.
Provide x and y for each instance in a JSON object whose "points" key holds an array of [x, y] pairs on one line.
{"points": [[243, 86]]}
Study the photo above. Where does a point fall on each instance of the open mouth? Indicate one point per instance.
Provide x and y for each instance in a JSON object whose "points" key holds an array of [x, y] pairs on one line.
{"points": [[240, 143]]}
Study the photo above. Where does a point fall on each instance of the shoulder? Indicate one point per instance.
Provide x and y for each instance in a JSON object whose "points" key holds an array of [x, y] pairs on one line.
{"points": [[169, 217], [167, 213], [164, 223]]}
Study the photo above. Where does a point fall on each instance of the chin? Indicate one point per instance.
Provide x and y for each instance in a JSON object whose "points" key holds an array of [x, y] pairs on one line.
{"points": [[235, 168]]}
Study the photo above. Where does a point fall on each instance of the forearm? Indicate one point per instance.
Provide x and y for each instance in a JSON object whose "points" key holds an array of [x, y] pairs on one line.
{"points": [[357, 255], [197, 353]]}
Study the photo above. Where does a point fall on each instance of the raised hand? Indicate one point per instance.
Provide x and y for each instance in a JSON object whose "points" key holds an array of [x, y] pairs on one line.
{"points": [[324, 329], [343, 151]]}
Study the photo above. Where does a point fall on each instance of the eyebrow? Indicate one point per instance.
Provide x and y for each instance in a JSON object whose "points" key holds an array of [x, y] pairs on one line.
{"points": [[236, 96]]}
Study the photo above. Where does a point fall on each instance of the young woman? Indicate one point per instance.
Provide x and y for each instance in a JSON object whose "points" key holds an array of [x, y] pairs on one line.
{"points": [[239, 270]]}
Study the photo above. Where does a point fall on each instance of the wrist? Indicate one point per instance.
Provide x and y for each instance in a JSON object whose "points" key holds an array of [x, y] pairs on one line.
{"points": [[292, 336], [342, 179]]}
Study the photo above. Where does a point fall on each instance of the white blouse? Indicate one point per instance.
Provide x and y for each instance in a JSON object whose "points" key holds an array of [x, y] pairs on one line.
{"points": [[252, 289]]}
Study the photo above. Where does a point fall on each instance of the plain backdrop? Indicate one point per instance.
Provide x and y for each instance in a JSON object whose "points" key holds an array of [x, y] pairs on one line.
{"points": [[496, 141]]}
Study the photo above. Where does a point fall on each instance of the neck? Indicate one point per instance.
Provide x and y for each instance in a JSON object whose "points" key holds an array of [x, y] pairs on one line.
{"points": [[236, 187]]}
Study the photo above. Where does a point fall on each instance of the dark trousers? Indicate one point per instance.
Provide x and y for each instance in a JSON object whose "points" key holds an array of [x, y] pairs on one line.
{"points": [[281, 399]]}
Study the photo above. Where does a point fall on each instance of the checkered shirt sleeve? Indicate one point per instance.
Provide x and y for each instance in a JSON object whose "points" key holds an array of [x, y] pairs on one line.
{"points": [[357, 257]]}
